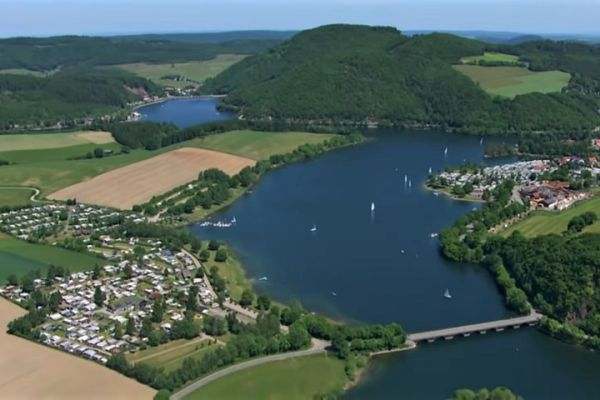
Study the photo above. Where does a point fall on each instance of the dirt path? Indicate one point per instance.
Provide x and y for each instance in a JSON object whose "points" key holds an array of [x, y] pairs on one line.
{"points": [[33, 371]]}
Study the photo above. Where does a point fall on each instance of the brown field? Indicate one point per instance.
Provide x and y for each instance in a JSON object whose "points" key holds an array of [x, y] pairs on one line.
{"points": [[33, 371], [137, 183]]}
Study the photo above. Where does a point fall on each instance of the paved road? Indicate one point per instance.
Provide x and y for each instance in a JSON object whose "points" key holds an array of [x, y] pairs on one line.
{"points": [[186, 391]]}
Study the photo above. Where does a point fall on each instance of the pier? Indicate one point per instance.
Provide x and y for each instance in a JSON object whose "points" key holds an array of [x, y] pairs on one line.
{"points": [[481, 328]]}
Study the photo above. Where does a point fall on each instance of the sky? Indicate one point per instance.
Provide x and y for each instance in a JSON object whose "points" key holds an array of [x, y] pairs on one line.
{"points": [[102, 17]]}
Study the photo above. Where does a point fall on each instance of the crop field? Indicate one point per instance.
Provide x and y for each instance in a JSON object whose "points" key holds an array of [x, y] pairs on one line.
{"points": [[32, 371], [137, 183], [19, 257], [36, 141], [294, 379], [196, 71], [259, 145], [513, 81], [546, 222], [491, 57]]}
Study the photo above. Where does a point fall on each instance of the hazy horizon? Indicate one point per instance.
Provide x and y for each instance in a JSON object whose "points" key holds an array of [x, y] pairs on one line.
{"points": [[130, 17]]}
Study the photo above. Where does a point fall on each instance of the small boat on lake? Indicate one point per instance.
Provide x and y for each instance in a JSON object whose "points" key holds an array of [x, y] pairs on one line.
{"points": [[447, 294], [314, 228], [436, 193], [264, 278], [372, 206], [446, 151], [430, 170], [333, 293], [433, 235]]}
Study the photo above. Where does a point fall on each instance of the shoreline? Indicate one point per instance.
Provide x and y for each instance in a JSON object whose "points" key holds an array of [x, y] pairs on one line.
{"points": [[168, 98], [448, 194]]}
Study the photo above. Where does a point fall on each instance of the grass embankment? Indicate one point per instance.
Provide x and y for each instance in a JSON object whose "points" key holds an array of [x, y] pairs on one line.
{"points": [[170, 355], [293, 379], [260, 145], [195, 71], [513, 81], [232, 271], [24, 71], [490, 56], [547, 222], [19, 257]]}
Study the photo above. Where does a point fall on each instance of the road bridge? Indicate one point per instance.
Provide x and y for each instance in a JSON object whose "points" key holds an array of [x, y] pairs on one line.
{"points": [[481, 328]]}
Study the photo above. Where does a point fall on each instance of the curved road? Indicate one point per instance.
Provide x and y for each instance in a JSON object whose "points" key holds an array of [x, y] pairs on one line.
{"points": [[319, 347]]}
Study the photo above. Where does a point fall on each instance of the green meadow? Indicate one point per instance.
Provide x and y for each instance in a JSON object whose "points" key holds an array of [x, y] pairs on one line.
{"points": [[259, 145], [514, 81], [19, 257], [13, 196], [302, 378], [546, 222], [490, 56], [36, 141], [197, 71]]}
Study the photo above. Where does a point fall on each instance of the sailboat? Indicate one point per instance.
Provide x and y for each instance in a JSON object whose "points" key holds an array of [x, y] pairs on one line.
{"points": [[409, 183], [481, 141], [430, 170], [372, 206], [233, 220], [314, 228], [446, 151], [405, 179], [447, 294], [264, 278]]}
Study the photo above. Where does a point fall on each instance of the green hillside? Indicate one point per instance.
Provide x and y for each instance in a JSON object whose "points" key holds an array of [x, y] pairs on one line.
{"points": [[351, 74]]}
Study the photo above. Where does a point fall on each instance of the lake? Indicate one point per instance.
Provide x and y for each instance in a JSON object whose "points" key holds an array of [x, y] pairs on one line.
{"points": [[380, 267], [184, 112]]}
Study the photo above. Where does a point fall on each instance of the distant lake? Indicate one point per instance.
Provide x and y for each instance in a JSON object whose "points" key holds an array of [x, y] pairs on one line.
{"points": [[381, 267], [185, 112]]}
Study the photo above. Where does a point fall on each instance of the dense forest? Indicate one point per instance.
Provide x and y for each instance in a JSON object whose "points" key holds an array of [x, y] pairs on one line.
{"points": [[46, 54], [75, 87], [67, 96], [355, 74]]}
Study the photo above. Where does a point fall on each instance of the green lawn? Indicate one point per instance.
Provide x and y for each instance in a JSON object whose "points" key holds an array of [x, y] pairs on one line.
{"points": [[490, 56], [18, 257], [197, 71], [259, 145], [233, 273], [294, 379], [58, 154], [513, 81], [546, 222], [33, 141], [170, 355], [15, 196]]}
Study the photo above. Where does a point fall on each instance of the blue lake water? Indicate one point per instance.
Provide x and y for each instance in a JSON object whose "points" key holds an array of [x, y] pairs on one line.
{"points": [[184, 112], [366, 267]]}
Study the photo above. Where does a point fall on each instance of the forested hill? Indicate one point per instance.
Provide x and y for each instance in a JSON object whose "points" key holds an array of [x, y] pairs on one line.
{"points": [[44, 54], [354, 74]]}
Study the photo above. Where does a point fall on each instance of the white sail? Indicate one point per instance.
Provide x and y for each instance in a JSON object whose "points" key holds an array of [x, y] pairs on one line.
{"points": [[372, 206]]}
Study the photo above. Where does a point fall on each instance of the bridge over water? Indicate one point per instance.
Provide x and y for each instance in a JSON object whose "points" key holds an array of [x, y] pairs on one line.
{"points": [[481, 328]]}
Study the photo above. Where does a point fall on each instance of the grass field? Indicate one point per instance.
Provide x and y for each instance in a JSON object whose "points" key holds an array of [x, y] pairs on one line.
{"points": [[233, 273], [137, 183], [546, 222], [32, 371], [23, 71], [259, 145], [293, 379], [15, 196], [50, 170], [170, 355], [491, 57], [38, 141], [513, 81], [197, 71], [19, 257]]}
